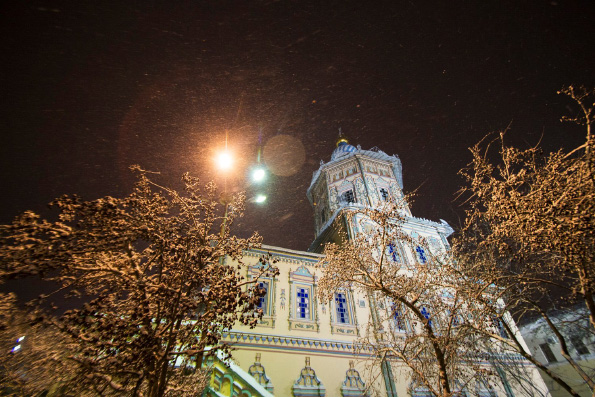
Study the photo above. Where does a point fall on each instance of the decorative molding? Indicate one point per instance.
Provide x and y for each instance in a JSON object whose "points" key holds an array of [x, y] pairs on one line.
{"points": [[266, 322], [303, 344], [353, 386], [344, 329], [295, 343], [259, 374], [308, 384], [303, 325]]}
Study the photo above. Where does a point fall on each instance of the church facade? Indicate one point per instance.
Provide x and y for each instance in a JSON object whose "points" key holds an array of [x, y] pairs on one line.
{"points": [[305, 347]]}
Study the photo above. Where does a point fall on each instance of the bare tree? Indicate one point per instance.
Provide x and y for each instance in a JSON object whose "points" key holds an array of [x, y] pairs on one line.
{"points": [[150, 274], [419, 315], [530, 230]]}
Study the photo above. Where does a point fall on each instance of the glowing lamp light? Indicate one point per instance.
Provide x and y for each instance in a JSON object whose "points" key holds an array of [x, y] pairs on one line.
{"points": [[224, 161], [258, 175], [261, 198]]}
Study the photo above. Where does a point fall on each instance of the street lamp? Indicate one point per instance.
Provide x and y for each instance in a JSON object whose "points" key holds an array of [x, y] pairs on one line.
{"points": [[258, 174], [224, 160]]}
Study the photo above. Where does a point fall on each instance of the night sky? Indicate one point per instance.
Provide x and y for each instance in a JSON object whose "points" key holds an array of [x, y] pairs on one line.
{"points": [[89, 88]]}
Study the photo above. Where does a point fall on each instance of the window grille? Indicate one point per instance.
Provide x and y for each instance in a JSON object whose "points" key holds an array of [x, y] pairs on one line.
{"points": [[348, 197]]}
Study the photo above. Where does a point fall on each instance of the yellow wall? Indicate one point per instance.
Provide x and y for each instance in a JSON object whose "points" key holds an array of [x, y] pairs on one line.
{"points": [[283, 349]]}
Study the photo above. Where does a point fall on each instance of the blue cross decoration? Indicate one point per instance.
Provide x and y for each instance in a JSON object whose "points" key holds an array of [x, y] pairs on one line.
{"points": [[341, 303], [302, 308], [421, 254]]}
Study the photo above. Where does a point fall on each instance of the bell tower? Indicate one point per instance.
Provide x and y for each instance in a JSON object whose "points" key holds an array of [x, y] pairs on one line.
{"points": [[353, 178]]}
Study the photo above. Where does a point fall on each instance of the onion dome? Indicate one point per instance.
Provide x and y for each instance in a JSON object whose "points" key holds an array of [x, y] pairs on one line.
{"points": [[343, 148]]}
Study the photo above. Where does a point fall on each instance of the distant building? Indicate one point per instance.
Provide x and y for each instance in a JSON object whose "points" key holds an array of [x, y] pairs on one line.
{"points": [[304, 347], [580, 339]]}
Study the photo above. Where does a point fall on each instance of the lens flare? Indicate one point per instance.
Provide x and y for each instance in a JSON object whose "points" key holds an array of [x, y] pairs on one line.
{"points": [[224, 160], [258, 175]]}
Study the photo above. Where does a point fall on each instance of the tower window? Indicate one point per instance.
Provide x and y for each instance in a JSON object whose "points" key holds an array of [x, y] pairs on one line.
{"points": [[384, 194], [348, 197]]}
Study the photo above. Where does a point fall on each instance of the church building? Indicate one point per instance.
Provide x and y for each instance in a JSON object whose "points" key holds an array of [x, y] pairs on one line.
{"points": [[306, 347]]}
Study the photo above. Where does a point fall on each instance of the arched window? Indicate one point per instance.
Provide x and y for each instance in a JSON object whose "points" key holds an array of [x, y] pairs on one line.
{"points": [[266, 302], [302, 285]]}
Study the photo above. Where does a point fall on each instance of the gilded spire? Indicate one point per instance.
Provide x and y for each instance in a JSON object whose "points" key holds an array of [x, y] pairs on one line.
{"points": [[342, 138]]}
